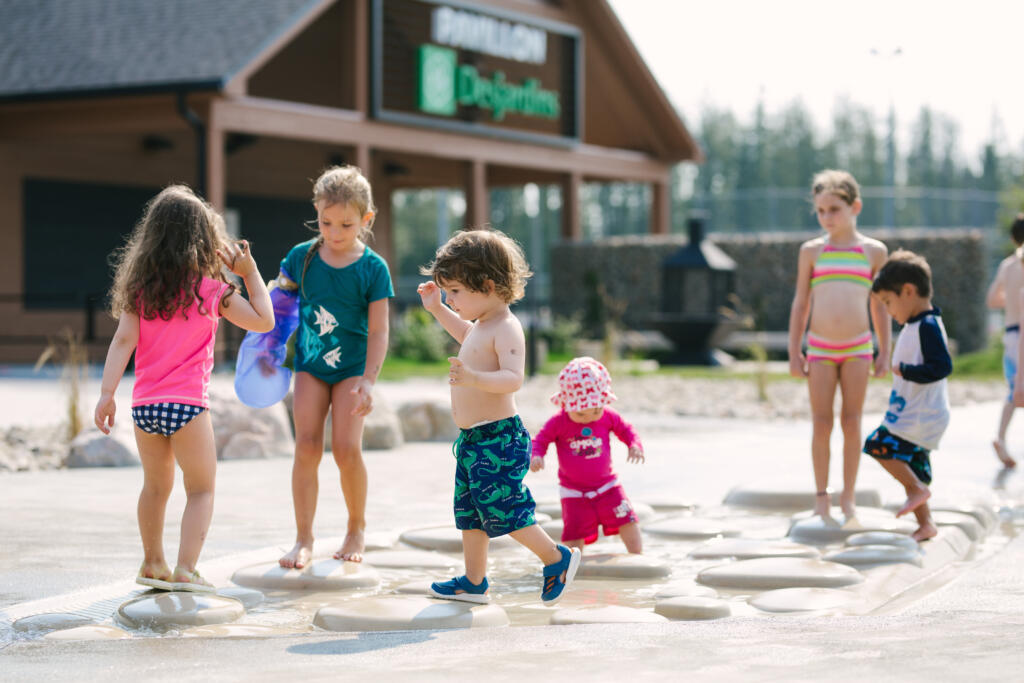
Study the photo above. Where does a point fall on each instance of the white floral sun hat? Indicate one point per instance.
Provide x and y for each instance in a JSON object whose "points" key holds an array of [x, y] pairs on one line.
{"points": [[583, 383]]}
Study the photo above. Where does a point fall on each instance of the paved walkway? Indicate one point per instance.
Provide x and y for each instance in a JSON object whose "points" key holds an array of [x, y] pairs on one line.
{"points": [[74, 530]]}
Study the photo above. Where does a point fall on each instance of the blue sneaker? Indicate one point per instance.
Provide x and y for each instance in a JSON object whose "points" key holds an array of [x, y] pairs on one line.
{"points": [[470, 592], [554, 584]]}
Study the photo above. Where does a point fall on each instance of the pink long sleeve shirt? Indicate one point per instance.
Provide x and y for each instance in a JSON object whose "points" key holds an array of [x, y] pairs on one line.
{"points": [[584, 450]]}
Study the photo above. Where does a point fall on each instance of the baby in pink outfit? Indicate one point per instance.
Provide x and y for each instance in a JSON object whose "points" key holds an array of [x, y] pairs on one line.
{"points": [[590, 491]]}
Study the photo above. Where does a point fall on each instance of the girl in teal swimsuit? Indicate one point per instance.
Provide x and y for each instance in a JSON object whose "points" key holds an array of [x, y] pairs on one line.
{"points": [[832, 304]]}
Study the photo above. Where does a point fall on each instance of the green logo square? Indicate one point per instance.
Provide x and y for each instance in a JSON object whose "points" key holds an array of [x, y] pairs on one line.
{"points": [[436, 85]]}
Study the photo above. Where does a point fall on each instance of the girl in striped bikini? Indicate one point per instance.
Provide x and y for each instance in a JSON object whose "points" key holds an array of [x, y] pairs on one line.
{"points": [[833, 288]]}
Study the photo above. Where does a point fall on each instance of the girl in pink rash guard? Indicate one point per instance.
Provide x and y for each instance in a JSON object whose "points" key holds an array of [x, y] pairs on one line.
{"points": [[581, 431]]}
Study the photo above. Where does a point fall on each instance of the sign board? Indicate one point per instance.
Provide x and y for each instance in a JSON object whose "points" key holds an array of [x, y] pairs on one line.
{"points": [[469, 68]]}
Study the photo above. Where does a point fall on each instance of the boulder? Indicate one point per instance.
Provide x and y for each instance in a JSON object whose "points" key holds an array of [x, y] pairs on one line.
{"points": [[93, 448]]}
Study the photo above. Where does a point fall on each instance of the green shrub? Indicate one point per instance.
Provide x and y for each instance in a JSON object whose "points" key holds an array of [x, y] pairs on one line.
{"points": [[563, 333], [419, 337]]}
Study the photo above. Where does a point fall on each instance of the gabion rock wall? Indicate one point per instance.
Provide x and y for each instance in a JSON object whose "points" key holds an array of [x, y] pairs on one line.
{"points": [[620, 277]]}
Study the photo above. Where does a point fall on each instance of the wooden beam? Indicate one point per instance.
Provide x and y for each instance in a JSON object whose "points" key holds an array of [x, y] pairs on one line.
{"points": [[572, 218], [259, 116], [360, 58], [661, 208], [142, 114], [478, 200], [216, 168]]}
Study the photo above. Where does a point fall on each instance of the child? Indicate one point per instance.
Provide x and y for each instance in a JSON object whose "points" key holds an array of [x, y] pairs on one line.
{"points": [[340, 345], [591, 494], [833, 285], [168, 296], [1005, 293], [481, 273], [919, 404]]}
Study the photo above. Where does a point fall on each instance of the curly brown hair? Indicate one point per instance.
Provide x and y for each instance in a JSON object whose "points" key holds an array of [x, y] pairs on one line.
{"points": [[472, 257], [840, 183], [159, 269]]}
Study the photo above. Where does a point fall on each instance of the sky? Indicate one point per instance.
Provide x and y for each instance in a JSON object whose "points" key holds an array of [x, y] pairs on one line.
{"points": [[962, 59]]}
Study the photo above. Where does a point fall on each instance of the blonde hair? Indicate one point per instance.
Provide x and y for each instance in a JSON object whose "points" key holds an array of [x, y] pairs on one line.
{"points": [[472, 257], [159, 270], [342, 185], [840, 183]]}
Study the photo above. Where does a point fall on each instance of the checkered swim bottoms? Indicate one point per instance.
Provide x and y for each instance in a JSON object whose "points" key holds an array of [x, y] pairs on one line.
{"points": [[164, 418]]}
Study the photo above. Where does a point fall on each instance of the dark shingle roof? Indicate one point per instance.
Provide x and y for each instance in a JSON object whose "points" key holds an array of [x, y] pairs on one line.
{"points": [[66, 47]]}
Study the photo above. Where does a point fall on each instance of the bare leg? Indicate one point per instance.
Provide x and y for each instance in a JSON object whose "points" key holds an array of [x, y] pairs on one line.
{"points": [[630, 534], [853, 386], [821, 383], [158, 480], [575, 543], [539, 543], [999, 445], [196, 453], [312, 398], [925, 526], [474, 550], [917, 492], [347, 447]]}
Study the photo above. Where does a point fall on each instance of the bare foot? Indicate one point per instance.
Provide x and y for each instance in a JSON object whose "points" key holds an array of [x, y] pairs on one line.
{"points": [[916, 500], [822, 505], [1002, 454], [352, 548], [924, 532], [155, 570], [298, 557]]}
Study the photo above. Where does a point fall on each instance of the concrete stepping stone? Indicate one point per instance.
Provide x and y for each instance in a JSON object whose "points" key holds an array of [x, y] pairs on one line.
{"points": [[407, 612], [609, 614], [692, 608], [415, 587], [881, 538], [622, 566], [448, 539], [968, 524], [809, 528], [92, 632], [691, 528], [164, 610], [985, 515], [789, 494], [780, 572], [870, 555], [320, 575], [802, 599], [685, 589], [247, 596], [671, 505], [51, 621], [409, 559], [750, 548], [241, 631]]}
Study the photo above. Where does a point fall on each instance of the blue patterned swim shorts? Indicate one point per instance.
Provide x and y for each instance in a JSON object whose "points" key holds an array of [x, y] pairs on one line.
{"points": [[164, 418], [490, 463], [884, 445]]}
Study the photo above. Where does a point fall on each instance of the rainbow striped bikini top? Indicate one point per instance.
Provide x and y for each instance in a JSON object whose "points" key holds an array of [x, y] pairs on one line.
{"points": [[842, 264]]}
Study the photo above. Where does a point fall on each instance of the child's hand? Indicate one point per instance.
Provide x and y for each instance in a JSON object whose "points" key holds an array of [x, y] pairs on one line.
{"points": [[430, 295], [363, 391], [636, 454], [896, 371], [459, 373], [238, 258], [104, 415], [882, 365], [265, 362], [536, 463], [798, 365]]}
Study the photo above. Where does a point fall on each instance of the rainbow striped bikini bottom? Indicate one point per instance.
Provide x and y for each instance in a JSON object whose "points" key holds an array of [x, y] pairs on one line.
{"points": [[837, 352]]}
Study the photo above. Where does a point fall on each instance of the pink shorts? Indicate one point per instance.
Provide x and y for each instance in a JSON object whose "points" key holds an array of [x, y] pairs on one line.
{"points": [[582, 515]]}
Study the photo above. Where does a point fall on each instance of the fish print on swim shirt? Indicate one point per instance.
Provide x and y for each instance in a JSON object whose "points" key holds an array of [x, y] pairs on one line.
{"points": [[586, 445], [317, 336]]}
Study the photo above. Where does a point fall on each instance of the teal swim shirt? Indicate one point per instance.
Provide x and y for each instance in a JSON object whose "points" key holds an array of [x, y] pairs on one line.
{"points": [[330, 343]]}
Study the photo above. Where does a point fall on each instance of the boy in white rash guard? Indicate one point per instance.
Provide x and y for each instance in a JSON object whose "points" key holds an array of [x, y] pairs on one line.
{"points": [[919, 403]]}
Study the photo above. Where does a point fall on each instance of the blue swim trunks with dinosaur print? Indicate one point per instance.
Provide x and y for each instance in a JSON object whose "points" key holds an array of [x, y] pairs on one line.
{"points": [[490, 463]]}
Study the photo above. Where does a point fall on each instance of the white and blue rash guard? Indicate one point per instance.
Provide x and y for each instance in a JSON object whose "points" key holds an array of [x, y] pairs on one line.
{"points": [[919, 402]]}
